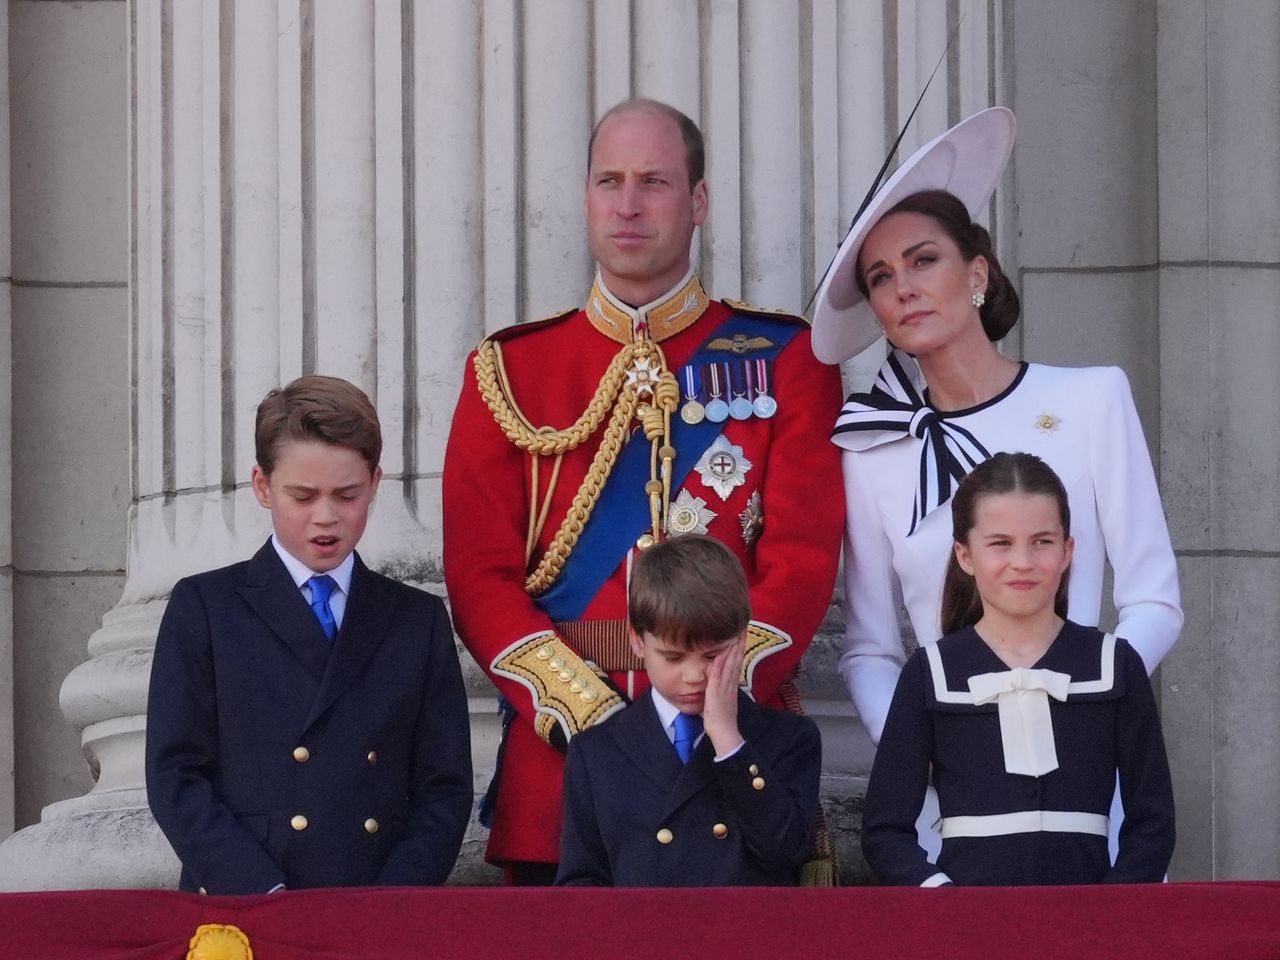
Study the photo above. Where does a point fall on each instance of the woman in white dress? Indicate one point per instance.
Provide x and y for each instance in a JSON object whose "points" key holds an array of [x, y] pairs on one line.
{"points": [[916, 269]]}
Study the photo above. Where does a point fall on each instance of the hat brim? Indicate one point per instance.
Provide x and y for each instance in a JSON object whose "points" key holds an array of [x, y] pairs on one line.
{"points": [[966, 161]]}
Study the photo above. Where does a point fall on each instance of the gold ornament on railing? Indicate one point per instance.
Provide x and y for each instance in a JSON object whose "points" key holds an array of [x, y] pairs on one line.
{"points": [[219, 941]]}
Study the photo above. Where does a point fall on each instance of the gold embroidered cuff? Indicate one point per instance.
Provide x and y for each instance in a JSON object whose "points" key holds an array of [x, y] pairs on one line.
{"points": [[762, 641], [567, 691]]}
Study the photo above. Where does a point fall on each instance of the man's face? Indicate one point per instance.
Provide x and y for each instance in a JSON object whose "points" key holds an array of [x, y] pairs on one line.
{"points": [[640, 209]]}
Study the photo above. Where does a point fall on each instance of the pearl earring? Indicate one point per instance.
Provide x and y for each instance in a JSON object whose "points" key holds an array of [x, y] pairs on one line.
{"points": [[978, 298]]}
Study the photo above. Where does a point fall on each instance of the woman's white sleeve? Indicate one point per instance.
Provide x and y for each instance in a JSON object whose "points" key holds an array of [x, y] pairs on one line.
{"points": [[1133, 525], [873, 652]]}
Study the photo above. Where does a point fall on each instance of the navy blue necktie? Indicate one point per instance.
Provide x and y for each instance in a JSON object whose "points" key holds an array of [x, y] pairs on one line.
{"points": [[322, 587], [688, 729]]}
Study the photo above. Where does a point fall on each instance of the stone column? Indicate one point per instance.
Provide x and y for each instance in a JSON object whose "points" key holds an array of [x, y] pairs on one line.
{"points": [[1149, 236], [365, 189], [1218, 135]]}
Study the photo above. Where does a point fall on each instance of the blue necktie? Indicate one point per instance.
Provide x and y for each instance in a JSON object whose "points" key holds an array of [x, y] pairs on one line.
{"points": [[688, 728], [322, 587]]}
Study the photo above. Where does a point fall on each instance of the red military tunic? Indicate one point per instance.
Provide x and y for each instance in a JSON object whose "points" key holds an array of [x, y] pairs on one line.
{"points": [[783, 521]]}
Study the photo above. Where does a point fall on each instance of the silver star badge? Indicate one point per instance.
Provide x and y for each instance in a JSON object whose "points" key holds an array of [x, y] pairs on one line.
{"points": [[723, 467], [689, 514], [752, 520]]}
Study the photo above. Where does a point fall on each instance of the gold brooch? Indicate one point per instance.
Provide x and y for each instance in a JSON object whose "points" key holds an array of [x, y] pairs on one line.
{"points": [[1047, 423]]}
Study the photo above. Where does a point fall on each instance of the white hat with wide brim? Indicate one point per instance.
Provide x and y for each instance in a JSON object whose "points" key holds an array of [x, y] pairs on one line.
{"points": [[967, 161]]}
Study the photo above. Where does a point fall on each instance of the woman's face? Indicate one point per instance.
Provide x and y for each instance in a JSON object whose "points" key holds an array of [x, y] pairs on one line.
{"points": [[918, 283]]}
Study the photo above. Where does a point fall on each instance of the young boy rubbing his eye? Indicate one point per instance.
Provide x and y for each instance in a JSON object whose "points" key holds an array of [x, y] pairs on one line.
{"points": [[694, 784]]}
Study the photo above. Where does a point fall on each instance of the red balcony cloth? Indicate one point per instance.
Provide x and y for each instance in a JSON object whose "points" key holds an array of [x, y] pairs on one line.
{"points": [[1171, 921]]}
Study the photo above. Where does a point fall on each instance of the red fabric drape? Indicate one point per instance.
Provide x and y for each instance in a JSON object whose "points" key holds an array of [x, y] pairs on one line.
{"points": [[1226, 919]]}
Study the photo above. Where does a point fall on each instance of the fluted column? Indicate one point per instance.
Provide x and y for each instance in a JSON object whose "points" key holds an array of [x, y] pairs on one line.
{"points": [[366, 188]]}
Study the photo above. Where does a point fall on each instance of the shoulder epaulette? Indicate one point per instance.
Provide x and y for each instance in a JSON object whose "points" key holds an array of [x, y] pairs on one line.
{"points": [[520, 329], [737, 306]]}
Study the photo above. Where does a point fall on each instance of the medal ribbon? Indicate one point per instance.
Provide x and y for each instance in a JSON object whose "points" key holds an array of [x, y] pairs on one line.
{"points": [[621, 515]]}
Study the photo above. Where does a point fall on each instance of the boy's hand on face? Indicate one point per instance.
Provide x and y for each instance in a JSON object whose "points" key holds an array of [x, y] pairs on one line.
{"points": [[720, 705]]}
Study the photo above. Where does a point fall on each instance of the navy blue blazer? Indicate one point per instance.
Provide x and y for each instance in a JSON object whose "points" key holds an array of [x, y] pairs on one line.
{"points": [[1108, 724], [275, 756], [634, 816]]}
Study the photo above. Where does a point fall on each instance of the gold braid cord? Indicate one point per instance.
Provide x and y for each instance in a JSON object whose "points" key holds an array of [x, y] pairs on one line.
{"points": [[618, 394]]}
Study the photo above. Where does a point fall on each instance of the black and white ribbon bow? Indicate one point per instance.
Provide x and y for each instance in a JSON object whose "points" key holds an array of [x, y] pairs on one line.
{"points": [[895, 408]]}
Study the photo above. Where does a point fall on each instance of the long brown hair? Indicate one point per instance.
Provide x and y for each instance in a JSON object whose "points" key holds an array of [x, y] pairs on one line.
{"points": [[1003, 473]]}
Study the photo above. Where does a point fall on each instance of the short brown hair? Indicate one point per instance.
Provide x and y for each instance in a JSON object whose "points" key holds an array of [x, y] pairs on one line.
{"points": [[695, 150], [318, 408], [690, 591]]}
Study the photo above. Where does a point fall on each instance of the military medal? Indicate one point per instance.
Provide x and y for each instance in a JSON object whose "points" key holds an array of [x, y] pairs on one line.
{"points": [[693, 412], [752, 520], [643, 376], [740, 407], [717, 410], [763, 404], [723, 467], [688, 514]]}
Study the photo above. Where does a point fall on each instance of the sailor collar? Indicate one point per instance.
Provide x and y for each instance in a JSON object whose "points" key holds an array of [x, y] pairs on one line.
{"points": [[1087, 657], [664, 317]]}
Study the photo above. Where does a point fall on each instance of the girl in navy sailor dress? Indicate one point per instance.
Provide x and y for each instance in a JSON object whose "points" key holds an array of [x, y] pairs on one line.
{"points": [[1019, 718]]}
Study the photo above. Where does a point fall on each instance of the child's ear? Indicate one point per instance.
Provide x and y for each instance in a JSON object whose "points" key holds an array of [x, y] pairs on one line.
{"points": [[261, 484], [1070, 545], [637, 644], [964, 558]]}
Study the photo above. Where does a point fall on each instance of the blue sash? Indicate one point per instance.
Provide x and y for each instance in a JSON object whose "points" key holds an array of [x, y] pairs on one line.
{"points": [[621, 513]]}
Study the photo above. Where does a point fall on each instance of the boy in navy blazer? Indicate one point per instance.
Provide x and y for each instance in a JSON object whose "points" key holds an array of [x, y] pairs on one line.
{"points": [[693, 784], [307, 723]]}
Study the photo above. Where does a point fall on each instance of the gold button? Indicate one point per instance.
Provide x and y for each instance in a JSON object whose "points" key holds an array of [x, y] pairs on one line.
{"points": [[566, 674], [299, 822], [665, 836], [544, 652], [575, 685], [589, 695], [555, 663], [204, 892], [753, 770], [720, 831], [372, 757], [301, 754], [371, 825], [646, 541], [758, 783]]}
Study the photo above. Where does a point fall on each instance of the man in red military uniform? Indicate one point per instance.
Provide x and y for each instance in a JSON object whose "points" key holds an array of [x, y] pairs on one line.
{"points": [[651, 412]]}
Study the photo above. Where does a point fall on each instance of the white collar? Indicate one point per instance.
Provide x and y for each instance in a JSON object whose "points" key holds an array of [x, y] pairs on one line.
{"points": [[666, 709], [301, 573]]}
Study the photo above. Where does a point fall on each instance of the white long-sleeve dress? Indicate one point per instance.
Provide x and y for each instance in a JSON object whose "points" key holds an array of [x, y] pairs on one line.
{"points": [[1082, 422]]}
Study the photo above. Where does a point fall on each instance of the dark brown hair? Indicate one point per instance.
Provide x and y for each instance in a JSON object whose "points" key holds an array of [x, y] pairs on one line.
{"points": [[1003, 473], [695, 151], [689, 591], [317, 408], [1002, 307]]}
